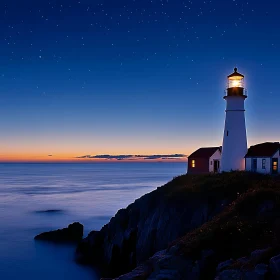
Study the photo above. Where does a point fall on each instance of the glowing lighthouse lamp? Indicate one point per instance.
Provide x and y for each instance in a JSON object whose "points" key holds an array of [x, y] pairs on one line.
{"points": [[235, 139], [236, 80]]}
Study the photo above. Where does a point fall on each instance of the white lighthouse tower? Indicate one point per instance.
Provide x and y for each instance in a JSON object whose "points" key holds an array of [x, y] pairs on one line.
{"points": [[235, 139]]}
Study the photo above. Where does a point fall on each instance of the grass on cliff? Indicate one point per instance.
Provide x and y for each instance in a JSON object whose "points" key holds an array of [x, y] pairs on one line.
{"points": [[223, 185], [251, 222], [211, 187]]}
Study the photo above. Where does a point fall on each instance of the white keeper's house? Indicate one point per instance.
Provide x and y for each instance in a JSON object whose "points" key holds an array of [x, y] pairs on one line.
{"points": [[263, 158], [234, 154]]}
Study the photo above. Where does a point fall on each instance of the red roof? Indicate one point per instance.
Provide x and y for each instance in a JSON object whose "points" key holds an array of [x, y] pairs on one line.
{"points": [[204, 152], [267, 149]]}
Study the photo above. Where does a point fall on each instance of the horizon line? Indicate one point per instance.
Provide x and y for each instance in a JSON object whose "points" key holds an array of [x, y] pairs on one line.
{"points": [[93, 161]]}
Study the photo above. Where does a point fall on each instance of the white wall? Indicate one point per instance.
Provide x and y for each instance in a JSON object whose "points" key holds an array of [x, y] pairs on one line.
{"points": [[235, 138], [259, 165], [248, 164], [268, 164], [216, 156]]}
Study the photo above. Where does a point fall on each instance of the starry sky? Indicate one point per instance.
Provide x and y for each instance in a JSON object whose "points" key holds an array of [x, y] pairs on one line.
{"points": [[80, 78]]}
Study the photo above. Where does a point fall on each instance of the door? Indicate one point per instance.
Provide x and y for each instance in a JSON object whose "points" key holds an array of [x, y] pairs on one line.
{"points": [[254, 164], [274, 165], [216, 166]]}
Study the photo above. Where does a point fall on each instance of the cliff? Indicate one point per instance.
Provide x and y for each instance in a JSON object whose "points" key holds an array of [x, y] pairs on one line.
{"points": [[241, 243], [154, 221]]}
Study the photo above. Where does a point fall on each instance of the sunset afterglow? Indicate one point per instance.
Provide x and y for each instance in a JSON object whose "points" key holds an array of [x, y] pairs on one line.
{"points": [[151, 83]]}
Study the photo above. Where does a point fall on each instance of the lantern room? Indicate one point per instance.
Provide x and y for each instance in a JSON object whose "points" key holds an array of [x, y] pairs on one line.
{"points": [[235, 85]]}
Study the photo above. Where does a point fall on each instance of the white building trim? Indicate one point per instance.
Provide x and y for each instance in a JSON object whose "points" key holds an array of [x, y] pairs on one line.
{"points": [[215, 157]]}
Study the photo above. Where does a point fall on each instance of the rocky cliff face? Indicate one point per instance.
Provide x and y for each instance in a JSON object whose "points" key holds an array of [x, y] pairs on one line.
{"points": [[136, 233], [152, 222], [241, 243]]}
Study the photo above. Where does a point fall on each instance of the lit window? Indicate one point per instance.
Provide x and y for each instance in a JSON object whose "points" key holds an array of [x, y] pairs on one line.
{"points": [[274, 165], [235, 83], [263, 163], [193, 163]]}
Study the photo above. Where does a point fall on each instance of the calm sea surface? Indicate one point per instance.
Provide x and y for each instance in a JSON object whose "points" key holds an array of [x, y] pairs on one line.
{"points": [[88, 193]]}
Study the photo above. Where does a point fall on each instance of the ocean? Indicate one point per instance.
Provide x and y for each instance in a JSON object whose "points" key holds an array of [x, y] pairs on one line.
{"points": [[89, 193]]}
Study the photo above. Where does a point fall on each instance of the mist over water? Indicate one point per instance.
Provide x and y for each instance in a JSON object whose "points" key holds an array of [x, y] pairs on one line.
{"points": [[40, 197]]}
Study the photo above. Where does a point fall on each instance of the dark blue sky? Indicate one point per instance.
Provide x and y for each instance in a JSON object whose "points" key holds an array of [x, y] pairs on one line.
{"points": [[127, 77]]}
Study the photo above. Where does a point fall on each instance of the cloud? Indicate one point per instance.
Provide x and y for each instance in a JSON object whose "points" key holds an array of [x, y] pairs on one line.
{"points": [[87, 156], [118, 157], [174, 156], [50, 155], [134, 157]]}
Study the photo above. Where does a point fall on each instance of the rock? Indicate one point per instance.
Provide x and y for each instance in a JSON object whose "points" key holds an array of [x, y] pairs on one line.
{"points": [[147, 226], [166, 266], [84, 254], [252, 275], [73, 233], [162, 218], [168, 274], [140, 273], [257, 254], [223, 265], [259, 273], [261, 269], [274, 265], [243, 260], [174, 249], [231, 274]]}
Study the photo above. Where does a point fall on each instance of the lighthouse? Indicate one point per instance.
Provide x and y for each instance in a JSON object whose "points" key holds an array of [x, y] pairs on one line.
{"points": [[234, 146]]}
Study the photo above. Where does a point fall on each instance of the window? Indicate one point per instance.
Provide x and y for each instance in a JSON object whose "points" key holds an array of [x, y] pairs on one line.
{"points": [[275, 167], [263, 163], [227, 132], [211, 162], [193, 163]]}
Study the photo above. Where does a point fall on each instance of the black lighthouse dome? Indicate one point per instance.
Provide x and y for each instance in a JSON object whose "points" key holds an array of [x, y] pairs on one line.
{"points": [[235, 86]]}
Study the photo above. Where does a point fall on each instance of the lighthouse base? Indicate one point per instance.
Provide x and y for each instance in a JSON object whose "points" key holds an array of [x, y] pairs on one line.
{"points": [[238, 166], [233, 156]]}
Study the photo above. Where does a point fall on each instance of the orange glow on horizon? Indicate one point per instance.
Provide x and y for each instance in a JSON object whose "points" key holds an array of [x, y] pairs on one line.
{"points": [[73, 158]]}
